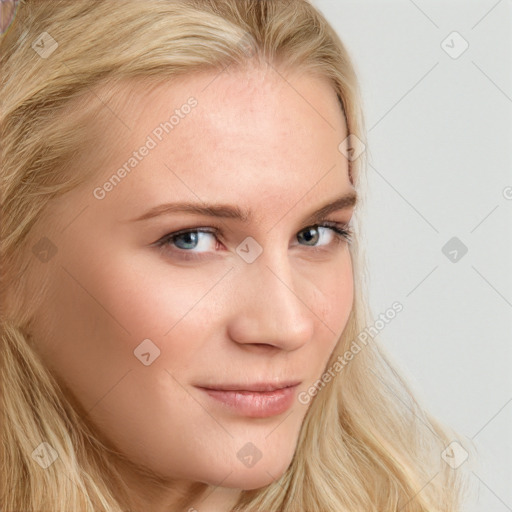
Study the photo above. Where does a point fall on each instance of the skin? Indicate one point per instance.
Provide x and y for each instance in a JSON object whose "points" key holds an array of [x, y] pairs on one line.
{"points": [[254, 140]]}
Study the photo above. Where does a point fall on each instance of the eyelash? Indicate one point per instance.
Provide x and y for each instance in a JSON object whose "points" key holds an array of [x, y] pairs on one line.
{"points": [[343, 233]]}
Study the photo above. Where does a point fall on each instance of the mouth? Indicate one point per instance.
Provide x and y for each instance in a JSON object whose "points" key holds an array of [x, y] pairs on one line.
{"points": [[258, 400]]}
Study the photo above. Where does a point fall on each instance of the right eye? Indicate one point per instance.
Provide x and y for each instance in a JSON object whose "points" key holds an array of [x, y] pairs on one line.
{"points": [[190, 242]]}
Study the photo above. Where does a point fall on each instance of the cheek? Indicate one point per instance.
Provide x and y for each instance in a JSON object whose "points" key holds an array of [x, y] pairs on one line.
{"points": [[334, 294], [157, 300], [180, 310], [101, 309], [333, 302]]}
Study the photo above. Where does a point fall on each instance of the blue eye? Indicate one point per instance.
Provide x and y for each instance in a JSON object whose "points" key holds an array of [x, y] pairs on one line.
{"points": [[188, 238], [193, 243], [190, 243]]}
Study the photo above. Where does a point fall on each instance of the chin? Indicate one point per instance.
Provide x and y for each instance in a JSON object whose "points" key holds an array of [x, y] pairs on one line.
{"points": [[249, 480], [263, 473]]}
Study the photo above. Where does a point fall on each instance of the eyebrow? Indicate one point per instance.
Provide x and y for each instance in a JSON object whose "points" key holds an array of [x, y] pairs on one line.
{"points": [[235, 212]]}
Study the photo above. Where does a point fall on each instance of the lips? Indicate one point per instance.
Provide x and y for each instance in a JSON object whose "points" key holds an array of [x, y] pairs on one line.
{"points": [[257, 400], [257, 387]]}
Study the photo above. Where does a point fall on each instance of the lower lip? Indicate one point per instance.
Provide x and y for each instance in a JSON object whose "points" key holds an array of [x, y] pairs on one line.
{"points": [[255, 404]]}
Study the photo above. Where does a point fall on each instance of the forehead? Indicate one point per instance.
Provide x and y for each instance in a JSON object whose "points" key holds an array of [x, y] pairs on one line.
{"points": [[230, 94], [223, 135]]}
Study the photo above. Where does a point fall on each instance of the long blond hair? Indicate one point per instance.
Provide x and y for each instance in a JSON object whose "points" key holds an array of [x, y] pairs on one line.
{"points": [[366, 444]]}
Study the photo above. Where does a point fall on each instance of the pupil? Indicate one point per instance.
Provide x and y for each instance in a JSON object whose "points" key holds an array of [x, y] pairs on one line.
{"points": [[190, 238], [309, 238]]}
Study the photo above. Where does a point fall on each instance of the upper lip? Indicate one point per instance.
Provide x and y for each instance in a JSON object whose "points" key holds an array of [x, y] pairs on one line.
{"points": [[256, 386]]}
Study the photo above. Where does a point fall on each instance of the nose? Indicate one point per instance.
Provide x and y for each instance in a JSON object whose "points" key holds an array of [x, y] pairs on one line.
{"points": [[270, 308]]}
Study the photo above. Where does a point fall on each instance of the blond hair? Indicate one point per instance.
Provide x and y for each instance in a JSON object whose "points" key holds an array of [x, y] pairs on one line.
{"points": [[366, 444]]}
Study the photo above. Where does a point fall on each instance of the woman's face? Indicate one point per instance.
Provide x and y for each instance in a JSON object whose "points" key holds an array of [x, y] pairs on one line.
{"points": [[137, 324]]}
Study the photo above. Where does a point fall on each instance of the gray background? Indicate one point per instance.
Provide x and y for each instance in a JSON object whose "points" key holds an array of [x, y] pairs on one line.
{"points": [[440, 154]]}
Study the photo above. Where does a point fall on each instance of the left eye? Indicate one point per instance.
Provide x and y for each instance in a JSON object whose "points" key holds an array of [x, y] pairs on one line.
{"points": [[196, 240], [314, 233]]}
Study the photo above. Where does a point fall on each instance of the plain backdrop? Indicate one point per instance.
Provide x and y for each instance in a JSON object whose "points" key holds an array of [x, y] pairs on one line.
{"points": [[436, 78]]}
